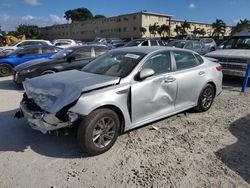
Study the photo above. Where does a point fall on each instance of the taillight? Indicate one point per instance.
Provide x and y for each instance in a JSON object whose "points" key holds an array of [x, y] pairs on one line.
{"points": [[219, 68]]}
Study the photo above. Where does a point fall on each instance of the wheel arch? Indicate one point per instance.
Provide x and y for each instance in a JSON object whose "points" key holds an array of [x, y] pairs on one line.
{"points": [[118, 111], [214, 86]]}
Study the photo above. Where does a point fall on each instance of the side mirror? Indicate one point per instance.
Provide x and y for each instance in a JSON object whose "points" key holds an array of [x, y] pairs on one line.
{"points": [[145, 73], [70, 59]]}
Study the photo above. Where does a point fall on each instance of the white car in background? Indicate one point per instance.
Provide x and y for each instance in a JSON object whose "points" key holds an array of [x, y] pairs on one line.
{"points": [[65, 43], [22, 43]]}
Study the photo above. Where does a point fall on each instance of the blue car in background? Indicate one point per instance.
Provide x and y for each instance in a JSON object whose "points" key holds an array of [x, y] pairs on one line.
{"points": [[24, 54]]}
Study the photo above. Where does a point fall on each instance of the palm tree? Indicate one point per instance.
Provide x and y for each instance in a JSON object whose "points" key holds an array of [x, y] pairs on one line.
{"points": [[184, 27], [143, 30], [202, 32], [153, 29], [177, 29], [219, 27], [165, 30], [241, 25], [196, 31]]}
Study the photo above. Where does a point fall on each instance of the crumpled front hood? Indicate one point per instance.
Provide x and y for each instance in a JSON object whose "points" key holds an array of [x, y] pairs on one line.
{"points": [[55, 91], [234, 53]]}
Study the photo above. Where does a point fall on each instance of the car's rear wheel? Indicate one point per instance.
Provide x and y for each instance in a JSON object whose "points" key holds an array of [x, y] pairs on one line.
{"points": [[48, 72], [206, 98], [98, 131], [5, 70]]}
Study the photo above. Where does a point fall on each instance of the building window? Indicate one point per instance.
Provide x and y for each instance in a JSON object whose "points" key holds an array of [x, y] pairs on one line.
{"points": [[125, 29], [160, 19], [135, 28], [135, 16], [125, 19]]}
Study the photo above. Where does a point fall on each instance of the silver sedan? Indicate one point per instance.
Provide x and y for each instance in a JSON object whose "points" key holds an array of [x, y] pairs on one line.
{"points": [[119, 91]]}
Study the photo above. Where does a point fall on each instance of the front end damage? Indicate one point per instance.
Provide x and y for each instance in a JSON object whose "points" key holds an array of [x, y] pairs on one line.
{"points": [[43, 121]]}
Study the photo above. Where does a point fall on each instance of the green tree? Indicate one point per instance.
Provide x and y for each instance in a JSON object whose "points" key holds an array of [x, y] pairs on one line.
{"points": [[99, 16], [79, 14], [177, 29], [153, 29], [184, 27], [219, 27], [143, 30], [202, 32], [30, 31], [196, 31], [241, 25], [165, 30]]}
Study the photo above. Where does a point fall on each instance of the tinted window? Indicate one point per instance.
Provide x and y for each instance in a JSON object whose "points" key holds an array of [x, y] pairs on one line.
{"points": [[189, 45], [100, 50], [133, 43], [197, 45], [161, 43], [184, 60], [145, 43], [160, 63], [49, 50], [82, 53], [153, 43], [30, 51]]}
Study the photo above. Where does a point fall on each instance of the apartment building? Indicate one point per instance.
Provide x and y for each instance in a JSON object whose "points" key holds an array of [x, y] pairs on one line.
{"points": [[122, 26]]}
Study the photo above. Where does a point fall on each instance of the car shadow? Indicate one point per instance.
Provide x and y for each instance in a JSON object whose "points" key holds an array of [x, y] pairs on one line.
{"points": [[237, 155], [16, 135], [8, 84]]}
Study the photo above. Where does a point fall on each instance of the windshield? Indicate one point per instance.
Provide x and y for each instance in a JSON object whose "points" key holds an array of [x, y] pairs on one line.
{"points": [[61, 54], [177, 44], [237, 43], [116, 63]]}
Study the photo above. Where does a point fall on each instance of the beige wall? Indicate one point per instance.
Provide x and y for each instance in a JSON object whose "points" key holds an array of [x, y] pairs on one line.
{"points": [[123, 26]]}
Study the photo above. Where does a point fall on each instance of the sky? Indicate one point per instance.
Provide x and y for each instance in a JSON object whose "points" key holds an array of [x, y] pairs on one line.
{"points": [[49, 12]]}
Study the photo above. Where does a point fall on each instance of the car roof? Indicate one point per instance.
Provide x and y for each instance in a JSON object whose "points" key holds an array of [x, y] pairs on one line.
{"points": [[149, 49], [38, 46], [86, 46], [244, 33]]}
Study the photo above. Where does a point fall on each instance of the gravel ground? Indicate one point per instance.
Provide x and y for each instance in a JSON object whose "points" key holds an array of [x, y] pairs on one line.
{"points": [[210, 149]]}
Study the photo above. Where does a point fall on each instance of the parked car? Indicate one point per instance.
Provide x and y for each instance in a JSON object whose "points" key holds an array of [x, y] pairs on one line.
{"points": [[119, 91], [109, 42], [145, 42], [209, 43], [115, 42], [65, 43], [71, 58], [24, 54], [194, 45], [22, 43], [234, 54]]}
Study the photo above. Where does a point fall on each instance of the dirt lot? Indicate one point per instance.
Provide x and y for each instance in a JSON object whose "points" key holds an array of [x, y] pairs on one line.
{"points": [[209, 149]]}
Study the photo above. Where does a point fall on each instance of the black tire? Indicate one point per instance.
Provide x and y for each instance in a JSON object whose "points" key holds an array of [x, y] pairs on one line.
{"points": [[206, 98], [5, 70], [48, 72], [90, 142]]}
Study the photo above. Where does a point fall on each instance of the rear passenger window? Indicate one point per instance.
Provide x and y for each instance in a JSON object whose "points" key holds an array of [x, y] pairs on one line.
{"points": [[199, 59], [184, 60], [100, 50], [49, 50]]}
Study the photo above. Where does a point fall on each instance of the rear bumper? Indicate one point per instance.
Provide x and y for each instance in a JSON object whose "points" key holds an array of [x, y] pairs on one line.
{"points": [[42, 121]]}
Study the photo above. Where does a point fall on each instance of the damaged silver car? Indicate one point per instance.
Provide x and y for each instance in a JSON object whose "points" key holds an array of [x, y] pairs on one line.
{"points": [[119, 91]]}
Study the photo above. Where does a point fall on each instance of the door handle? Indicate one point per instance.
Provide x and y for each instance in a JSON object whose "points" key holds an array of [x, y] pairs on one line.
{"points": [[202, 73], [169, 79]]}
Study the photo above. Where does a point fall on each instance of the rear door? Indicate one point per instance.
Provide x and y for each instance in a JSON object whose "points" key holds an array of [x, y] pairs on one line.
{"points": [[191, 77], [155, 96]]}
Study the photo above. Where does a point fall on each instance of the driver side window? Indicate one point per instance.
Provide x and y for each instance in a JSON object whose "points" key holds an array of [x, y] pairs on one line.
{"points": [[82, 53], [160, 63]]}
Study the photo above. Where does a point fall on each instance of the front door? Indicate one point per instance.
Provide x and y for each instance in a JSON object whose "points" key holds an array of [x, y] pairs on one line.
{"points": [[154, 96]]}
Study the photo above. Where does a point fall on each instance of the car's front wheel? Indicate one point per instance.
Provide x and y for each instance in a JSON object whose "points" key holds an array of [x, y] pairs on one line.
{"points": [[206, 98], [98, 131], [5, 69]]}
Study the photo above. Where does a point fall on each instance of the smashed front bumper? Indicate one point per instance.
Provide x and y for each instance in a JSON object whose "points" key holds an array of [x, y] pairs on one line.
{"points": [[42, 121]]}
